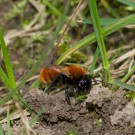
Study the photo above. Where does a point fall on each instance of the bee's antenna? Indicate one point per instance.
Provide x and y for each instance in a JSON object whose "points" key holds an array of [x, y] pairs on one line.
{"points": [[95, 81]]}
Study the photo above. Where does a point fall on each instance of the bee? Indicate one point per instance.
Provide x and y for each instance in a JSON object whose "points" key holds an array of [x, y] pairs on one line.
{"points": [[73, 75]]}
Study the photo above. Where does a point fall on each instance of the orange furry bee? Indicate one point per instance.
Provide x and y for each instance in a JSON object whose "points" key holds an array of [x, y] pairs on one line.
{"points": [[73, 75]]}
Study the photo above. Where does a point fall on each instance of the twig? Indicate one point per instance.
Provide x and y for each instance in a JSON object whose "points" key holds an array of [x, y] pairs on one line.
{"points": [[73, 15], [123, 57]]}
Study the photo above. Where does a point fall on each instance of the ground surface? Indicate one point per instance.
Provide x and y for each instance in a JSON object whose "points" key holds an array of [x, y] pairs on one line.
{"points": [[102, 113]]}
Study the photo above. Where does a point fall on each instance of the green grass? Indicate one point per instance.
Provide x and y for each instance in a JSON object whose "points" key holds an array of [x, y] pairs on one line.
{"points": [[124, 79], [100, 40], [100, 33], [1, 131], [53, 9], [7, 62], [40, 60], [88, 40], [5, 79], [123, 85], [127, 2], [8, 123], [92, 66], [8, 79]]}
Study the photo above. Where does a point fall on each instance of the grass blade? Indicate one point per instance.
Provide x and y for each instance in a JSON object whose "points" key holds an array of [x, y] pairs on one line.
{"points": [[41, 59], [110, 9], [1, 131], [100, 39], [123, 85], [54, 10], [92, 67], [25, 104], [103, 21], [127, 2], [88, 40], [4, 79], [126, 77], [35, 84], [7, 61], [33, 120], [36, 117], [8, 123]]}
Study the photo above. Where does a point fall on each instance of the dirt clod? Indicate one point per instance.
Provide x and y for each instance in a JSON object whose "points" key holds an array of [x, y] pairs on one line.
{"points": [[102, 113], [126, 115]]}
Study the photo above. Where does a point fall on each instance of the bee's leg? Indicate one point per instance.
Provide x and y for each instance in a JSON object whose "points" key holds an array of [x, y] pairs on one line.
{"points": [[75, 91], [93, 79], [54, 82], [85, 91], [67, 98]]}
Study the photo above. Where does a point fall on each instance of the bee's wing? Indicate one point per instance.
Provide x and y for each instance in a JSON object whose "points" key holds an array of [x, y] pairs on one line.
{"points": [[59, 69]]}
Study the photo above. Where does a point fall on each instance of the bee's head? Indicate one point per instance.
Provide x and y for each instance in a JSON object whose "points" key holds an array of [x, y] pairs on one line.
{"points": [[84, 83]]}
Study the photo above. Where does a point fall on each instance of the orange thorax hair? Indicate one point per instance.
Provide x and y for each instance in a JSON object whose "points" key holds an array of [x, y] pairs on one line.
{"points": [[75, 71]]}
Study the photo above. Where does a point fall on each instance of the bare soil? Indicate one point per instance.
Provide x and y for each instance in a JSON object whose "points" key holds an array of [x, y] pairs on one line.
{"points": [[102, 113]]}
